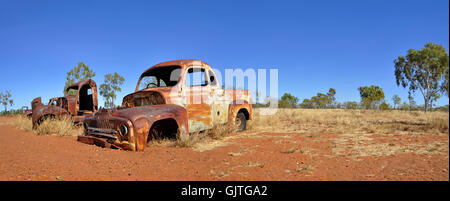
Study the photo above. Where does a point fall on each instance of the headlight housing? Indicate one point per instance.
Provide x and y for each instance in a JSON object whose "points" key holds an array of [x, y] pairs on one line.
{"points": [[123, 130]]}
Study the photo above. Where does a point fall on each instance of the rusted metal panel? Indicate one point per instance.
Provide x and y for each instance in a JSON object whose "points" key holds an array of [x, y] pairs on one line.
{"points": [[71, 105], [235, 107], [82, 88], [193, 108], [35, 103], [45, 111], [25, 111], [138, 121], [101, 142], [86, 98]]}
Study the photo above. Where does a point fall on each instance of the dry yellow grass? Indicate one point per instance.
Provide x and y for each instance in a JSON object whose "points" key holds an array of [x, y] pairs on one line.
{"points": [[57, 126], [351, 121], [206, 140], [307, 168], [350, 124], [353, 145], [187, 140], [22, 122]]}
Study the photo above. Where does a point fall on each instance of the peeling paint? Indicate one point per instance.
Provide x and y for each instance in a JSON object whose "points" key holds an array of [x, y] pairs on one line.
{"points": [[78, 106], [191, 108]]}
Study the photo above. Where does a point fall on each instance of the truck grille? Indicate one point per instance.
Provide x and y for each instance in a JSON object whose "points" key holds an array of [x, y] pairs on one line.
{"points": [[102, 132]]}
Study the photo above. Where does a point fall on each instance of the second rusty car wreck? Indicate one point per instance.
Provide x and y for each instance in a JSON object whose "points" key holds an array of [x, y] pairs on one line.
{"points": [[171, 98], [84, 102]]}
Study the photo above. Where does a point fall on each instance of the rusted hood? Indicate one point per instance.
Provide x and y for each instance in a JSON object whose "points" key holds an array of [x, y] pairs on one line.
{"points": [[164, 91], [154, 96], [149, 112], [161, 90], [132, 114]]}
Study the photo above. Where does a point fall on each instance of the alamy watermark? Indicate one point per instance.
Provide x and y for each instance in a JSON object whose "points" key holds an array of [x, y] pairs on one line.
{"points": [[201, 84]]}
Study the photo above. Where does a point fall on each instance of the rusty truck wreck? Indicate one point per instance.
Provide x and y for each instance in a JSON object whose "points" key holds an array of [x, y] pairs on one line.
{"points": [[84, 102], [168, 101]]}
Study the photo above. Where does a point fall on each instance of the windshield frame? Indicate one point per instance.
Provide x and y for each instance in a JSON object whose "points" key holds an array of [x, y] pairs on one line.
{"points": [[150, 72]]}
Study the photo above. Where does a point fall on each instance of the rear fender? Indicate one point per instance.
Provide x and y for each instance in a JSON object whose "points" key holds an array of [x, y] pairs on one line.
{"points": [[236, 106]]}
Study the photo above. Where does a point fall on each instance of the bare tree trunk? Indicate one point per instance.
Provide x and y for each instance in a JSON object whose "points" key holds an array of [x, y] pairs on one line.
{"points": [[431, 106]]}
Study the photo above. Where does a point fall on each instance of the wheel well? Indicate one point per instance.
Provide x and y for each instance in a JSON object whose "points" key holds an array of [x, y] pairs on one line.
{"points": [[165, 128], [45, 117], [247, 115]]}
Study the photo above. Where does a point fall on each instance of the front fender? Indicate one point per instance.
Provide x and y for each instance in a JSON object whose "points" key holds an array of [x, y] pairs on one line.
{"points": [[45, 110], [143, 118]]}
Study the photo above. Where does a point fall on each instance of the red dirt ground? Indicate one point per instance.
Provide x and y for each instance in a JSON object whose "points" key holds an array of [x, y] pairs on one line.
{"points": [[246, 156]]}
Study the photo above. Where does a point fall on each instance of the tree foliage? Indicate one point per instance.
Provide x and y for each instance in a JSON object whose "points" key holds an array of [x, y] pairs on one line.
{"points": [[321, 100], [331, 93], [288, 100], [370, 96], [350, 105], [5, 99], [412, 103], [423, 70], [109, 88], [78, 73], [444, 86], [307, 103], [396, 100], [384, 106]]}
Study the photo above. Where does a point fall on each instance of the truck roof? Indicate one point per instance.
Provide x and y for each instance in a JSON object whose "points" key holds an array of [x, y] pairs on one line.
{"points": [[82, 83], [182, 63]]}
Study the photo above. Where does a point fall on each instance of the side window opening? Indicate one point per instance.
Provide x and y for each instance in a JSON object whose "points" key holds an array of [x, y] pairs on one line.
{"points": [[162, 83], [85, 98], [196, 77], [212, 78]]}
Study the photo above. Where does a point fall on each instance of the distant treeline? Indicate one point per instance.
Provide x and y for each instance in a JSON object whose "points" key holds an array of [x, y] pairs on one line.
{"points": [[371, 98], [425, 71], [11, 112]]}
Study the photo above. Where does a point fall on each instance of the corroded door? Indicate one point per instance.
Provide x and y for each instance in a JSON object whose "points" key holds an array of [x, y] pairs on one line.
{"points": [[220, 105], [198, 99]]}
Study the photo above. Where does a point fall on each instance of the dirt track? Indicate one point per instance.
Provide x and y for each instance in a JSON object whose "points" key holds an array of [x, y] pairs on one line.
{"points": [[243, 156]]}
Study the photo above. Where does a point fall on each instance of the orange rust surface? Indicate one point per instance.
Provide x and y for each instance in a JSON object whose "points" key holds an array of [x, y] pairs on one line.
{"points": [[199, 116], [66, 105], [234, 109], [194, 108]]}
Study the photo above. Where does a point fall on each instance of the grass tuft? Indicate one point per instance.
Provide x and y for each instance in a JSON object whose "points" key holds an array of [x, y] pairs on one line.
{"points": [[53, 126], [199, 139], [57, 126], [22, 122]]}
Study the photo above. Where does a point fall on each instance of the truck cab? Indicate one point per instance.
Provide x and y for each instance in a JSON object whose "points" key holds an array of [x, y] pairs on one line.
{"points": [[81, 101]]}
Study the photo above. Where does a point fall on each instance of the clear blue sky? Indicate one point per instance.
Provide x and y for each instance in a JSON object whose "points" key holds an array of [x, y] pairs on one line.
{"points": [[314, 44]]}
